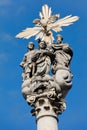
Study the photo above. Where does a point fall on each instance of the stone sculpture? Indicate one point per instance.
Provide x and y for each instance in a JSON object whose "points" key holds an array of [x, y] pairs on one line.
{"points": [[47, 77], [27, 64], [38, 64], [46, 24]]}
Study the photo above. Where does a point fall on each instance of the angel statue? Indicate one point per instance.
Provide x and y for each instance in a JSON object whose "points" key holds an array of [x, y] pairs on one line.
{"points": [[46, 24]]}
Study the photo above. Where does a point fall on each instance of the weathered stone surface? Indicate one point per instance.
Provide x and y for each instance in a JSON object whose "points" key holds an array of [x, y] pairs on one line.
{"points": [[46, 24], [47, 77]]}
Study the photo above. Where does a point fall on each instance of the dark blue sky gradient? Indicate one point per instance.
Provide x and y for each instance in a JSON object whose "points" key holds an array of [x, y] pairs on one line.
{"points": [[16, 15]]}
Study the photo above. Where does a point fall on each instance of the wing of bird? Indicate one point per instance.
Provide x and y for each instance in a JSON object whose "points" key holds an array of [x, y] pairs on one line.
{"points": [[41, 15], [39, 35], [66, 21], [29, 32], [36, 22], [45, 12], [53, 18]]}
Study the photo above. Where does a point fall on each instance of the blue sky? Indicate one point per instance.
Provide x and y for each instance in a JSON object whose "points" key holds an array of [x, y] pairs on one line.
{"points": [[16, 16]]}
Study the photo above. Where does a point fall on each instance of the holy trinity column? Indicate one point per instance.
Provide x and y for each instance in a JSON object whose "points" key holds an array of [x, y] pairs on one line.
{"points": [[47, 77]]}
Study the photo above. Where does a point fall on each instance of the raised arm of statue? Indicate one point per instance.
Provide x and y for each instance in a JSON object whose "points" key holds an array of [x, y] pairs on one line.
{"points": [[63, 54], [67, 49]]}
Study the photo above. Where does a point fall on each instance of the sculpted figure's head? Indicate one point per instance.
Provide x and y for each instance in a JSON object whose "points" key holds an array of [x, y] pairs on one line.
{"points": [[30, 46], [42, 45], [59, 39]]}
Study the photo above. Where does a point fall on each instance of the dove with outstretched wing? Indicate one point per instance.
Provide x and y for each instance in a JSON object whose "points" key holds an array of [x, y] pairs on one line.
{"points": [[46, 24]]}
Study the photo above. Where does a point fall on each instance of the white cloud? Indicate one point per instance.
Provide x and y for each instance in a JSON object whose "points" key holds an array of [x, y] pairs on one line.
{"points": [[9, 8], [5, 7], [20, 10], [6, 37], [3, 58], [5, 2]]}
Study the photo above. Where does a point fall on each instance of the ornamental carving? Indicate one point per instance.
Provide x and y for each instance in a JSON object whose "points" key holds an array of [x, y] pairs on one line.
{"points": [[47, 77]]}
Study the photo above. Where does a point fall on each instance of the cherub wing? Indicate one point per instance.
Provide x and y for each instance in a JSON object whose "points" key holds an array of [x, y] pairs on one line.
{"points": [[66, 21], [29, 32]]}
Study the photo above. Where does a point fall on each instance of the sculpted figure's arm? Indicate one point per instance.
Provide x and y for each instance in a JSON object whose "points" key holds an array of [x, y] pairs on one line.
{"points": [[35, 57], [23, 62], [66, 48]]}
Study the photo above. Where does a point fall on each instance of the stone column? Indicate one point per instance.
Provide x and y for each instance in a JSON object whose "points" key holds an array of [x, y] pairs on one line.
{"points": [[46, 116], [47, 105], [43, 91], [47, 123], [47, 77]]}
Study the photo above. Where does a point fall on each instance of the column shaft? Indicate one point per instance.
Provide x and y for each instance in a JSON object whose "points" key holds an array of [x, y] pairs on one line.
{"points": [[47, 123]]}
